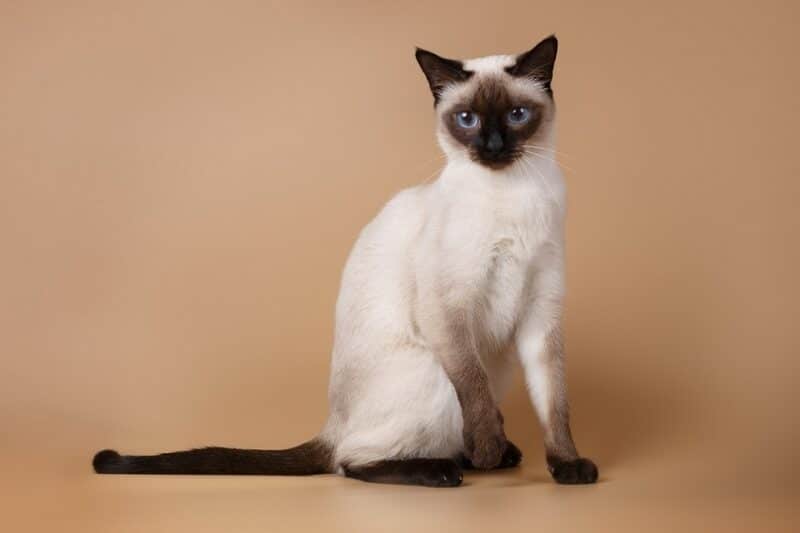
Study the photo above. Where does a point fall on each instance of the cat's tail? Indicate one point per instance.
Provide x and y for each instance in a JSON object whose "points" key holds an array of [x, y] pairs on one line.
{"points": [[312, 457]]}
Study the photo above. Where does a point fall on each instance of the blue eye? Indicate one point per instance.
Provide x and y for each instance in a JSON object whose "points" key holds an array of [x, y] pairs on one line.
{"points": [[519, 115], [467, 119]]}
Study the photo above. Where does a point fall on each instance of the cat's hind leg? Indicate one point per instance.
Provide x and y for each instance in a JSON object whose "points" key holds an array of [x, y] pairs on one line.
{"points": [[425, 472]]}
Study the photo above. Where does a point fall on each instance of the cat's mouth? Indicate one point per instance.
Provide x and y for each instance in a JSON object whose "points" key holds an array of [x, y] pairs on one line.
{"points": [[495, 160]]}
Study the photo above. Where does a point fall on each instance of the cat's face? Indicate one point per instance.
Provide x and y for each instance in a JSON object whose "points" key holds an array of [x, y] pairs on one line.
{"points": [[493, 110]]}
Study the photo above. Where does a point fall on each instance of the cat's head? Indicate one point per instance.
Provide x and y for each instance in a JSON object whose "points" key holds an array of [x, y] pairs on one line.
{"points": [[493, 110]]}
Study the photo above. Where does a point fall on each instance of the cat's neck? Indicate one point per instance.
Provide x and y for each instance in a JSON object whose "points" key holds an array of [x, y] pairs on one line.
{"points": [[537, 172]]}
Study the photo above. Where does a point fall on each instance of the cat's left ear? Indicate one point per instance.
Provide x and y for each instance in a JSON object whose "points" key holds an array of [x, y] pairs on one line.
{"points": [[440, 72], [538, 62]]}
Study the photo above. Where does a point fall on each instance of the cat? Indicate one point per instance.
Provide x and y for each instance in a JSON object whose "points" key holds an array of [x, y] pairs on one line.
{"points": [[451, 283]]}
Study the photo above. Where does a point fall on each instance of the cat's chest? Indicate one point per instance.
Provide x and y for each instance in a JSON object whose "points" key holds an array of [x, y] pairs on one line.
{"points": [[492, 241], [507, 262], [487, 248], [505, 270], [508, 238]]}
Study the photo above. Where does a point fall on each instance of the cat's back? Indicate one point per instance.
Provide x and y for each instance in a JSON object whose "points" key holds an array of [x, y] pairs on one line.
{"points": [[393, 229], [377, 282]]}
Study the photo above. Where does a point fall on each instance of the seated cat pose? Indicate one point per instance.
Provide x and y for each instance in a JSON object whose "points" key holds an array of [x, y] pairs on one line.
{"points": [[450, 283]]}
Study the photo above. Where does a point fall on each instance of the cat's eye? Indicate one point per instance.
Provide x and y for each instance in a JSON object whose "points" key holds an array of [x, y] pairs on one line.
{"points": [[519, 115], [467, 119]]}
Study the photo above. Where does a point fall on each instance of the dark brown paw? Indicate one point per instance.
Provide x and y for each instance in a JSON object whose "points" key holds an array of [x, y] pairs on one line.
{"points": [[419, 471], [511, 457], [486, 442], [577, 472], [444, 474]]}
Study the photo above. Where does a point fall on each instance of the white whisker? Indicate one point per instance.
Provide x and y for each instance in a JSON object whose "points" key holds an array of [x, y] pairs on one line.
{"points": [[550, 159], [546, 148]]}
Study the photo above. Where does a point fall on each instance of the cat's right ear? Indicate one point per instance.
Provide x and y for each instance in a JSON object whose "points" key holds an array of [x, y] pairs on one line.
{"points": [[537, 63], [440, 72]]}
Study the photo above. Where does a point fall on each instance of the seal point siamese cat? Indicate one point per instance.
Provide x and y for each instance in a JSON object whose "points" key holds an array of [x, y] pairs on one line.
{"points": [[450, 283]]}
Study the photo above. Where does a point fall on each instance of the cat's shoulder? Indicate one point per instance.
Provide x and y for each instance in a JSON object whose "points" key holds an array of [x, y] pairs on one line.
{"points": [[401, 212], [408, 199]]}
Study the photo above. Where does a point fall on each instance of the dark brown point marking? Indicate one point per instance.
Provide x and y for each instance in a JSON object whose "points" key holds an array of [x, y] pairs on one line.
{"points": [[537, 63], [512, 457], [425, 472], [440, 72], [563, 461], [578, 471], [496, 143], [313, 457]]}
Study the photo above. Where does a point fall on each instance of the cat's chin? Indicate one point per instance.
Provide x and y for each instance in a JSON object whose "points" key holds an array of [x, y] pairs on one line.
{"points": [[495, 164]]}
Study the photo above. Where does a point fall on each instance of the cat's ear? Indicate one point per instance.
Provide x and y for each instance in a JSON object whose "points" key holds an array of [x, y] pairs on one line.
{"points": [[538, 62], [440, 71]]}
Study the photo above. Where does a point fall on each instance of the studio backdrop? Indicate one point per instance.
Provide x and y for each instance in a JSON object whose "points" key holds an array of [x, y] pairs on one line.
{"points": [[181, 183]]}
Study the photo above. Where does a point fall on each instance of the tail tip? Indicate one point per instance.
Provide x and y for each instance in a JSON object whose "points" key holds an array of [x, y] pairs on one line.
{"points": [[104, 460]]}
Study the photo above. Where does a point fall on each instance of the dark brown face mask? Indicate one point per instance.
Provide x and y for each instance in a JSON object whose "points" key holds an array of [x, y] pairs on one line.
{"points": [[492, 125]]}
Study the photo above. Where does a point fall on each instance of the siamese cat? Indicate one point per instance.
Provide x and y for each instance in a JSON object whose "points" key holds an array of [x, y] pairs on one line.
{"points": [[449, 285]]}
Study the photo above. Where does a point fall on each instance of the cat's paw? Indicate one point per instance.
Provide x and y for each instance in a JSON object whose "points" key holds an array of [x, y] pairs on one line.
{"points": [[576, 472], [443, 474], [486, 442], [512, 457]]}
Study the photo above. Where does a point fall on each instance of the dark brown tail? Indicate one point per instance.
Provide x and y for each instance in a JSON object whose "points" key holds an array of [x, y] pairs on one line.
{"points": [[312, 457]]}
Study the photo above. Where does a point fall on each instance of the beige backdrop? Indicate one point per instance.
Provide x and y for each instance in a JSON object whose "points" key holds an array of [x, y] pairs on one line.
{"points": [[182, 182]]}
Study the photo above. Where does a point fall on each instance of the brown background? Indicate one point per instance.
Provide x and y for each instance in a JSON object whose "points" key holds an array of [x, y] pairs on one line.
{"points": [[182, 182]]}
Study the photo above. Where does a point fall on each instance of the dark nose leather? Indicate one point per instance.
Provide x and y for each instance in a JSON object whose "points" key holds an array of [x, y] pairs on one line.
{"points": [[495, 143]]}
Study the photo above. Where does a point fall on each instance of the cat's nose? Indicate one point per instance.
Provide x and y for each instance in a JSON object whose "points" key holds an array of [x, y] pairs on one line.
{"points": [[495, 143]]}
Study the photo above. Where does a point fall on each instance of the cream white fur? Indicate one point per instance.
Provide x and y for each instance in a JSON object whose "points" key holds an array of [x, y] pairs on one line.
{"points": [[389, 396]]}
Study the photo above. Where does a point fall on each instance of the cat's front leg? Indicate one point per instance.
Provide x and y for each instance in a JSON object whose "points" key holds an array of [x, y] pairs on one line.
{"points": [[484, 437], [541, 353]]}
